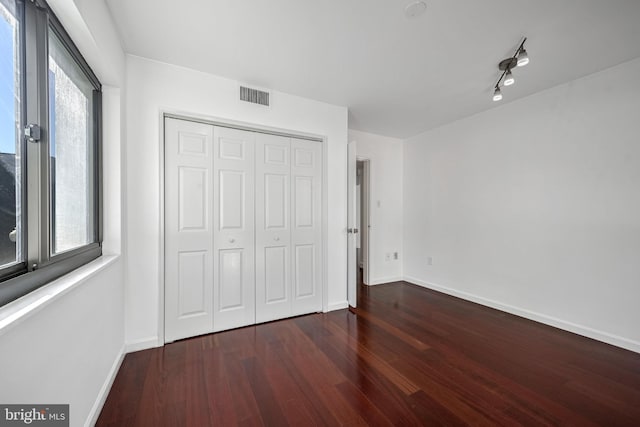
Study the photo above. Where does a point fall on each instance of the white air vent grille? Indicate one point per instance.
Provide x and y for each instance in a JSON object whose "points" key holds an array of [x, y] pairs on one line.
{"points": [[254, 96]]}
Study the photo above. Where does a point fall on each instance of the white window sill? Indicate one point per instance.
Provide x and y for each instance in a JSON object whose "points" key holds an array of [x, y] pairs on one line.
{"points": [[16, 311]]}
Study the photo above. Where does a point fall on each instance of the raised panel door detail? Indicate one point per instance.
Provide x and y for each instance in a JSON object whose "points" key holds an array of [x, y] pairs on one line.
{"points": [[192, 198], [192, 144], [303, 207], [234, 228], [275, 188], [230, 276], [232, 213], [304, 266], [188, 228], [191, 283], [306, 233], [275, 154], [275, 273], [303, 158], [231, 149]]}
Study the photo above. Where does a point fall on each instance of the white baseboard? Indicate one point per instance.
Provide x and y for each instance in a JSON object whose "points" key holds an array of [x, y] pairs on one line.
{"points": [[142, 344], [383, 280], [531, 315], [92, 418], [338, 306]]}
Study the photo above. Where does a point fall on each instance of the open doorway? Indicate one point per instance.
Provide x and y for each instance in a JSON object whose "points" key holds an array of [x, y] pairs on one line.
{"points": [[363, 189], [358, 223]]}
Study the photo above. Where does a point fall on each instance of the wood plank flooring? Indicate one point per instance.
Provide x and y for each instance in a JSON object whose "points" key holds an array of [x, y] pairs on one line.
{"points": [[407, 356]]}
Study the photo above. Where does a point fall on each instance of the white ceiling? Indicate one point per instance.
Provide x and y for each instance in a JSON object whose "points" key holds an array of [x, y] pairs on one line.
{"points": [[398, 76]]}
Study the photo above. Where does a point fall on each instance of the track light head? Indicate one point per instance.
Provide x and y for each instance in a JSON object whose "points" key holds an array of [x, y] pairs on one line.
{"points": [[523, 57], [508, 78], [497, 94], [506, 65]]}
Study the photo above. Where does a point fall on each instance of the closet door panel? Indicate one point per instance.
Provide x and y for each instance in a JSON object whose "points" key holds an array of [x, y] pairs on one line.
{"points": [[303, 192], [276, 189], [275, 274], [304, 266], [232, 201], [273, 228], [192, 283], [306, 237], [188, 265], [234, 259], [193, 190], [231, 279]]}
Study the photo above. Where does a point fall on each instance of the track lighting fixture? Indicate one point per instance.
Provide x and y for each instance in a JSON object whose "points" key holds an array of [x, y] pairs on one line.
{"points": [[519, 59]]}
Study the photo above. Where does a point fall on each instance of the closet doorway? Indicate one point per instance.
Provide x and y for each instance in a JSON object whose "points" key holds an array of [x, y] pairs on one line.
{"points": [[243, 227]]}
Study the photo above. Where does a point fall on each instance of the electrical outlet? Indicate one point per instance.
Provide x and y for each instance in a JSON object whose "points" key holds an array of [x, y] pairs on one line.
{"points": [[395, 255]]}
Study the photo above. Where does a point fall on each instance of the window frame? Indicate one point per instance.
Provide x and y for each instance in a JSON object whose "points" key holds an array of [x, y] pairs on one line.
{"points": [[40, 265]]}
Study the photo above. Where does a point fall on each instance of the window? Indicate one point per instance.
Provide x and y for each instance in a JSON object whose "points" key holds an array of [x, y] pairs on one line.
{"points": [[10, 167], [49, 151]]}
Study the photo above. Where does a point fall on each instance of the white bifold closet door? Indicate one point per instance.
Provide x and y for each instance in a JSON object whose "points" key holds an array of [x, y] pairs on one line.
{"points": [[243, 228], [306, 225], [273, 228], [188, 229], [234, 232], [288, 227]]}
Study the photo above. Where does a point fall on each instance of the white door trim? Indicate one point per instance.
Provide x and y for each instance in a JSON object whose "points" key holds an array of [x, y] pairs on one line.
{"points": [[352, 260], [366, 229], [246, 126], [253, 127]]}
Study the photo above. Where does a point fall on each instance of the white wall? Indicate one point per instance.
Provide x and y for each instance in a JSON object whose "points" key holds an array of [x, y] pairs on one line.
{"points": [[534, 207], [68, 349], [385, 155], [155, 88]]}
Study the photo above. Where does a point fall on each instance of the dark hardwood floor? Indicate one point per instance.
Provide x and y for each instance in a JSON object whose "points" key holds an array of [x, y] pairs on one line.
{"points": [[407, 356]]}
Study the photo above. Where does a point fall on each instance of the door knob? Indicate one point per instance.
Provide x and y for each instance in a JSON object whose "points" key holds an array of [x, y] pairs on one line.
{"points": [[231, 240], [276, 238]]}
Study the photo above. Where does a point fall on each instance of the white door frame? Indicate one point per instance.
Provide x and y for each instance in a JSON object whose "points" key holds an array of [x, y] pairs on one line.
{"points": [[218, 121], [366, 202], [352, 259]]}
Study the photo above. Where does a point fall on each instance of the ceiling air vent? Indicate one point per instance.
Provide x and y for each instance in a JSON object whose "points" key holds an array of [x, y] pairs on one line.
{"points": [[254, 96]]}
